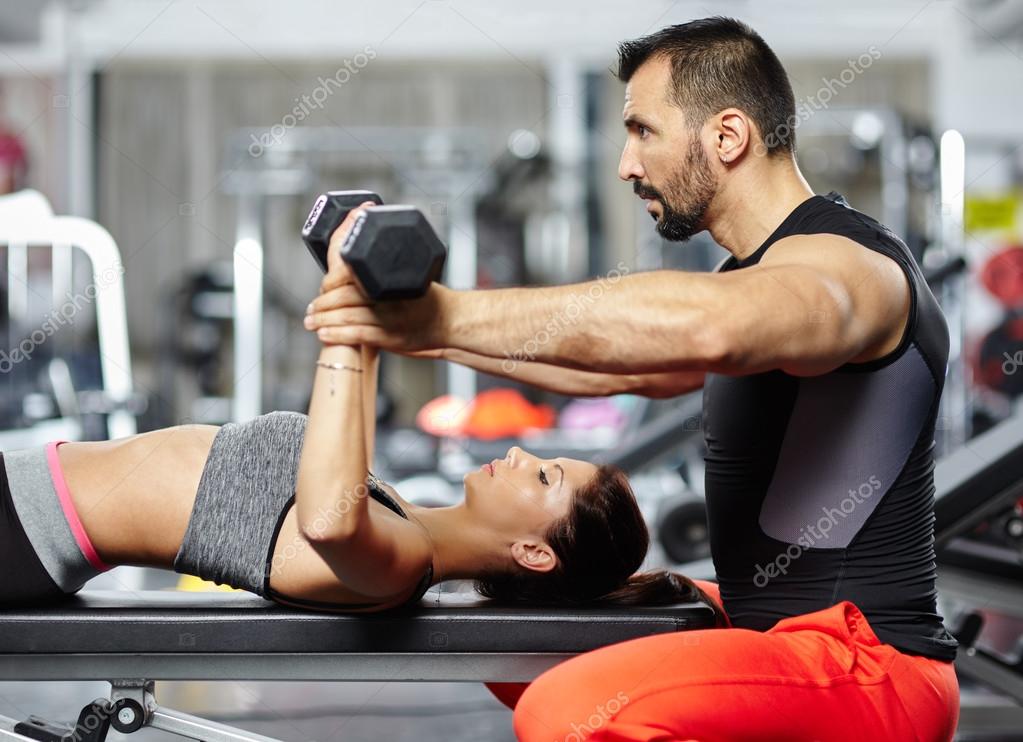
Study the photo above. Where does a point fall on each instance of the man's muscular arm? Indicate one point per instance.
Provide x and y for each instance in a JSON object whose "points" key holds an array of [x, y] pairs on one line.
{"points": [[644, 323], [812, 304]]}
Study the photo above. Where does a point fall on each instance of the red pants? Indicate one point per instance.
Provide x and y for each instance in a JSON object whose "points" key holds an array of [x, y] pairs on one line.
{"points": [[819, 677]]}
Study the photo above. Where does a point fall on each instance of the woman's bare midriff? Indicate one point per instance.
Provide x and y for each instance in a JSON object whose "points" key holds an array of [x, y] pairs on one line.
{"points": [[134, 497]]}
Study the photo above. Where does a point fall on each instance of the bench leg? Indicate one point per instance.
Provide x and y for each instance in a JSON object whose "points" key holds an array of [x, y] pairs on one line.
{"points": [[7, 733], [131, 707]]}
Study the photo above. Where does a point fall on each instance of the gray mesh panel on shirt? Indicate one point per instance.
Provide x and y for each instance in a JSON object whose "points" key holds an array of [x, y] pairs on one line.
{"points": [[826, 499]]}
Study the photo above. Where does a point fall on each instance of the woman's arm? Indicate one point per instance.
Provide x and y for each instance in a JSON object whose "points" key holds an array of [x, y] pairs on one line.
{"points": [[375, 556], [573, 382], [370, 371], [330, 498]]}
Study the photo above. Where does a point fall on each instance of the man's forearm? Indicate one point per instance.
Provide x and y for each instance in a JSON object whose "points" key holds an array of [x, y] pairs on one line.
{"points": [[573, 382], [648, 322], [558, 379]]}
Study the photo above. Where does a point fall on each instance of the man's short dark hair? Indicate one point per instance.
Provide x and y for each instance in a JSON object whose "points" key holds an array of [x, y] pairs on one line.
{"points": [[719, 63]]}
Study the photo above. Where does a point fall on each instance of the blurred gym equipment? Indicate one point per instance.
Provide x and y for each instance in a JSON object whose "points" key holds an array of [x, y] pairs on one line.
{"points": [[450, 158], [195, 330], [27, 223], [978, 501]]}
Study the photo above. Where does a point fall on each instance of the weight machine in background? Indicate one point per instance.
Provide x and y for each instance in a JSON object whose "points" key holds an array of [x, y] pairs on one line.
{"points": [[309, 160]]}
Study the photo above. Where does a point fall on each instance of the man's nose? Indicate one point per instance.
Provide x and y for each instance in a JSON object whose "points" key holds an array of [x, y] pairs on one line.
{"points": [[628, 166]]}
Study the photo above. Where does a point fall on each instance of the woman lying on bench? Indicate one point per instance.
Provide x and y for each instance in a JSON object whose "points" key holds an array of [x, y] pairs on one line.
{"points": [[284, 506]]}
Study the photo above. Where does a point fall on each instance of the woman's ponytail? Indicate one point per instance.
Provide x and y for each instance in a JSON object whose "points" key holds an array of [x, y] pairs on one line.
{"points": [[661, 587]]}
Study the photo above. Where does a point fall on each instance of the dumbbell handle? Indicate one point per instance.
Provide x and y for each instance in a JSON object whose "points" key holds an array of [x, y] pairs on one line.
{"points": [[333, 207]]}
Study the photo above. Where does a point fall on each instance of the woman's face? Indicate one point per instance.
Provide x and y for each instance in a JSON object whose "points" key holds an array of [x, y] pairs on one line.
{"points": [[522, 494]]}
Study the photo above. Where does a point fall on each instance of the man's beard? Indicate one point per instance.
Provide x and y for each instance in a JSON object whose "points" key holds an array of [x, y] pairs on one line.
{"points": [[692, 187]]}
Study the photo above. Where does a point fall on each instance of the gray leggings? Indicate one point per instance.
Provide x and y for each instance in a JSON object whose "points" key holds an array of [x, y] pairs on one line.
{"points": [[42, 558]]}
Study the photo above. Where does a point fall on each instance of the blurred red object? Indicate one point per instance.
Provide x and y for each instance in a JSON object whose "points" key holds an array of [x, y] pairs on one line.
{"points": [[495, 413], [13, 162], [505, 413], [1002, 275], [443, 416]]}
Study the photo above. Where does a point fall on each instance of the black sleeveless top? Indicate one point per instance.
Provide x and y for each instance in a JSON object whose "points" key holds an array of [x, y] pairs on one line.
{"points": [[820, 489], [380, 495]]}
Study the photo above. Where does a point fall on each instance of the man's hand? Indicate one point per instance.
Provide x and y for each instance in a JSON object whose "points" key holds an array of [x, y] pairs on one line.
{"points": [[345, 316], [342, 314]]}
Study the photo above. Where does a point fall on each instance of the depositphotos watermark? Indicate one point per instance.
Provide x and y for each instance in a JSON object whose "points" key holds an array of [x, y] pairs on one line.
{"points": [[58, 317], [601, 716], [812, 533], [820, 100], [1012, 363], [568, 316], [308, 102]]}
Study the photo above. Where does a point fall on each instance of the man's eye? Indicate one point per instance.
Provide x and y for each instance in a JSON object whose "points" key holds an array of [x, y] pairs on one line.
{"points": [[543, 476], [642, 130]]}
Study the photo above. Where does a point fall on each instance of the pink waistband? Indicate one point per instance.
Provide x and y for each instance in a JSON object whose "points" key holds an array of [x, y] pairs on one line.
{"points": [[64, 495]]}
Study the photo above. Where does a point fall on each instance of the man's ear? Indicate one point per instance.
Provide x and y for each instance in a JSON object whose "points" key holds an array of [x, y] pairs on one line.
{"points": [[733, 132], [534, 555]]}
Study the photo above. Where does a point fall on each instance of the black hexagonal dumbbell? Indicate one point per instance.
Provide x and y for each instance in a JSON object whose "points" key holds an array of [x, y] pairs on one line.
{"points": [[327, 213], [393, 250]]}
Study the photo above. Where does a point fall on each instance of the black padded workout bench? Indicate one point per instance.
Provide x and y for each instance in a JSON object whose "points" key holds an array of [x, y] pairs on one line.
{"points": [[133, 639]]}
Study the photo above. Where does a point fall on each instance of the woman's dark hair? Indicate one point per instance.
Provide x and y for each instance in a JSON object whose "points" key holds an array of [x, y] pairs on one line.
{"points": [[599, 544], [719, 63]]}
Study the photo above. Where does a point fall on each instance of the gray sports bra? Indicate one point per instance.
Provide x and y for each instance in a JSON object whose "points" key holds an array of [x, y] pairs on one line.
{"points": [[381, 496], [245, 491]]}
